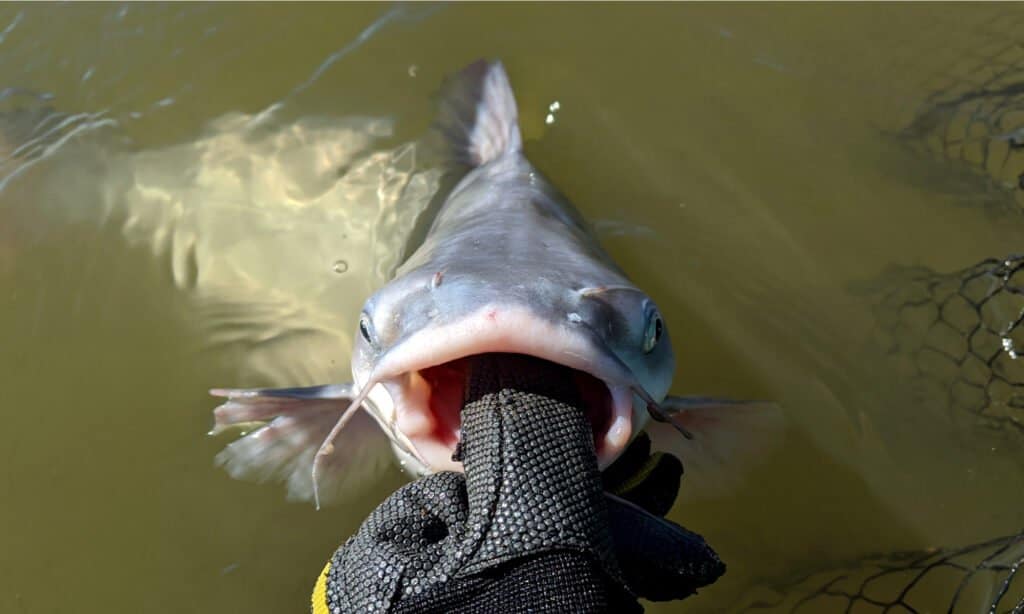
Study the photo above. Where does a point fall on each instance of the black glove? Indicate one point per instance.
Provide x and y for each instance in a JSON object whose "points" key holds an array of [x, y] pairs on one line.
{"points": [[527, 528], [660, 560]]}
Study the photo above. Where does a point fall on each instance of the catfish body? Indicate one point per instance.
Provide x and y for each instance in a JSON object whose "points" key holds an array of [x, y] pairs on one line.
{"points": [[507, 266]]}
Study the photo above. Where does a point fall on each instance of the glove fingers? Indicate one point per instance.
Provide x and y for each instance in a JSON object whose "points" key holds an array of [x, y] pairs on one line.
{"points": [[660, 560], [531, 469], [653, 485]]}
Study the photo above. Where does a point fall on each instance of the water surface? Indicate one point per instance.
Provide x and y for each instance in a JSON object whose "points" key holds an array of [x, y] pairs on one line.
{"points": [[203, 195]]}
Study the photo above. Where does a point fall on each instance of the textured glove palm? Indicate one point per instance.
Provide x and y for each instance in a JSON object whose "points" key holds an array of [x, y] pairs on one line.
{"points": [[527, 528]]}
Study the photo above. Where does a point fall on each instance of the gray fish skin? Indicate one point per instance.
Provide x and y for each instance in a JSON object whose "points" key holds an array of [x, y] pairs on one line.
{"points": [[508, 265], [509, 259]]}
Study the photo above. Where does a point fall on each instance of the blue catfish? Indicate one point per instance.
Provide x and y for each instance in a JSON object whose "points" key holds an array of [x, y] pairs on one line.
{"points": [[508, 265]]}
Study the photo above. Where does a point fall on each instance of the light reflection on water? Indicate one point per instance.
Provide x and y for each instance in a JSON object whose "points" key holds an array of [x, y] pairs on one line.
{"points": [[178, 185]]}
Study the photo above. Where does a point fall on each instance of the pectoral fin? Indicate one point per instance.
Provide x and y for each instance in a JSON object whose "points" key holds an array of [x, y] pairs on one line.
{"points": [[291, 423], [729, 437]]}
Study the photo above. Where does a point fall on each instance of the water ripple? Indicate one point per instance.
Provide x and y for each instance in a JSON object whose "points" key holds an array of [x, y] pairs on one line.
{"points": [[10, 28], [397, 12]]}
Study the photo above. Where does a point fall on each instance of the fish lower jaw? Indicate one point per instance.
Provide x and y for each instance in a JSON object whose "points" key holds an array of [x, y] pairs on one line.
{"points": [[620, 429]]}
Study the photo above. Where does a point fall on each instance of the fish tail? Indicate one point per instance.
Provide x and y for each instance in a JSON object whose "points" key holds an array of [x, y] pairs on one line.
{"points": [[477, 116]]}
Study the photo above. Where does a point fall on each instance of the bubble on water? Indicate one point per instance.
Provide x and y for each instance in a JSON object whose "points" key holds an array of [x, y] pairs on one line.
{"points": [[1009, 348], [339, 266], [552, 109]]}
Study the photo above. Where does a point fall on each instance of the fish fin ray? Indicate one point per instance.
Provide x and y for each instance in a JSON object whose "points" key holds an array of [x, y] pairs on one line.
{"points": [[730, 437], [293, 424], [477, 114]]}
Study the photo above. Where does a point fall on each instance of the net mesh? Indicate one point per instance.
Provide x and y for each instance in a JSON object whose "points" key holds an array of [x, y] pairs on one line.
{"points": [[973, 123], [982, 577], [957, 339]]}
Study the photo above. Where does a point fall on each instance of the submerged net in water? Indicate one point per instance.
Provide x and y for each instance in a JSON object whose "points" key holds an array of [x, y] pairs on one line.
{"points": [[958, 339], [957, 342], [982, 577], [973, 124]]}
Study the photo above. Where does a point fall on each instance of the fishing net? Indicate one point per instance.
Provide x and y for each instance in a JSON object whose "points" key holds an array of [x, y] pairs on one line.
{"points": [[956, 339], [982, 577], [973, 123]]}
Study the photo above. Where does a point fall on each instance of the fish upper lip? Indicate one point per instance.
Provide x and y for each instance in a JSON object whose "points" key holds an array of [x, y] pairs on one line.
{"points": [[496, 329], [502, 328]]}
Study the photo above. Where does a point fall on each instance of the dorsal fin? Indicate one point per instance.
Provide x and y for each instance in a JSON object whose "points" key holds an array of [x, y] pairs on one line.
{"points": [[477, 114]]}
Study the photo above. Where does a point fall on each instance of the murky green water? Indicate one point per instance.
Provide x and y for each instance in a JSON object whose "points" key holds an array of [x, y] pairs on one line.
{"points": [[203, 195]]}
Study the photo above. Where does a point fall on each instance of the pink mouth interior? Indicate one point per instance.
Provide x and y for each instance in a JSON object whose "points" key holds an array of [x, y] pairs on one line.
{"points": [[447, 383]]}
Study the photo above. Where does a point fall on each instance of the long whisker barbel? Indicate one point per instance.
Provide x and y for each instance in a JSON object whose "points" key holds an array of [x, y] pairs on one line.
{"points": [[327, 447], [658, 413]]}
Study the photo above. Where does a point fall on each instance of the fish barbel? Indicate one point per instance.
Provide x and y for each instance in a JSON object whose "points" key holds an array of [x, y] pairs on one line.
{"points": [[507, 266]]}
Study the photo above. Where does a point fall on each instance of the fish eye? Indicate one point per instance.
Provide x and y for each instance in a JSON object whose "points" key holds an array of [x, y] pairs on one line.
{"points": [[653, 331], [364, 328]]}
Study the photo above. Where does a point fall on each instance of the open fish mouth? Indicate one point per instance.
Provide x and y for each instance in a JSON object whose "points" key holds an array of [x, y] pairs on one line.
{"points": [[429, 404]]}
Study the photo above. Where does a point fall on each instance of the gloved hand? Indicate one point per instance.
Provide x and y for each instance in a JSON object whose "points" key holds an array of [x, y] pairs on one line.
{"points": [[527, 528], [660, 560]]}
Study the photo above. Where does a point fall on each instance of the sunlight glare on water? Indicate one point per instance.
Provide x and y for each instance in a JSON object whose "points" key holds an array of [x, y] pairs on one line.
{"points": [[201, 195]]}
